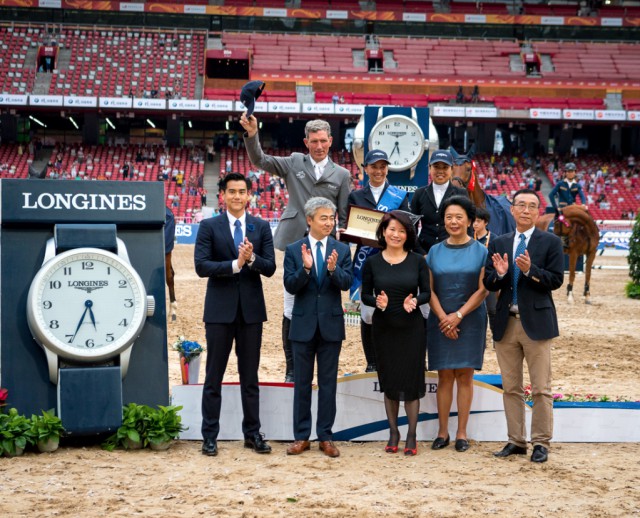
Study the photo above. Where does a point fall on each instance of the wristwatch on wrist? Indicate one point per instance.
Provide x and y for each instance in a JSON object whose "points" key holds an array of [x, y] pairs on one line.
{"points": [[253, 258], [459, 315]]}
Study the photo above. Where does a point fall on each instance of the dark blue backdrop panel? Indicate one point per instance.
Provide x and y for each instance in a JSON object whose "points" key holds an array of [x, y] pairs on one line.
{"points": [[25, 231]]}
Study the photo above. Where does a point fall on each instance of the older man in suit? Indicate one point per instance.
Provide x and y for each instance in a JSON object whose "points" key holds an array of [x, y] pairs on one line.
{"points": [[526, 266], [233, 251], [305, 176], [316, 269], [426, 201], [376, 194]]}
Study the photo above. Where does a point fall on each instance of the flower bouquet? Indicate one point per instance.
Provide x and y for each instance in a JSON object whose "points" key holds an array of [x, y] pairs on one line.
{"points": [[4, 394], [189, 359]]}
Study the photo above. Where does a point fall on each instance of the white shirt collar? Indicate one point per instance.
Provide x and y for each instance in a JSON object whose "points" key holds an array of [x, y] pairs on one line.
{"points": [[232, 219], [440, 187], [313, 241]]}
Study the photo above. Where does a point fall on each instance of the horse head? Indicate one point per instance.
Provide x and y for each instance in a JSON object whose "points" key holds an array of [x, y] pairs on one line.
{"points": [[464, 168]]}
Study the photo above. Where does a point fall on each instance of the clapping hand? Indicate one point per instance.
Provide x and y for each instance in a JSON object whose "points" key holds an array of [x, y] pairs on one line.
{"points": [[500, 263], [332, 261], [524, 262], [410, 303], [245, 251], [307, 257], [382, 301]]}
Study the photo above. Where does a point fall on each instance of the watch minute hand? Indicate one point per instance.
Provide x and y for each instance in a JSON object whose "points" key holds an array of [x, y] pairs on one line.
{"points": [[79, 324], [89, 303], [395, 148]]}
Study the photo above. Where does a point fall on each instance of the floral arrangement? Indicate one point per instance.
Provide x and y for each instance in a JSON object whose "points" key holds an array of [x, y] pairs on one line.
{"points": [[188, 348], [4, 394], [577, 398]]}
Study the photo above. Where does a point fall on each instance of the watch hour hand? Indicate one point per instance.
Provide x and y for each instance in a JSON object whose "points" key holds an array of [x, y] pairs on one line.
{"points": [[89, 304], [395, 148]]}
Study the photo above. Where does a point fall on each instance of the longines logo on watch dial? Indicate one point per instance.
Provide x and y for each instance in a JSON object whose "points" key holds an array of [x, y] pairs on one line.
{"points": [[88, 286]]}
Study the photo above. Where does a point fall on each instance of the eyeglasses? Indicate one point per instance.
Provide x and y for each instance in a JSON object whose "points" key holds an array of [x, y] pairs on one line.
{"points": [[531, 206]]}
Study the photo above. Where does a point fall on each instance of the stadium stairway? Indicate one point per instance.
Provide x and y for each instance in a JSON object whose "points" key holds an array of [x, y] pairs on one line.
{"points": [[211, 176]]}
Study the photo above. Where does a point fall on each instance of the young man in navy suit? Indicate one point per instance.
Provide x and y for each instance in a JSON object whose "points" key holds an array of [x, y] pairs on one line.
{"points": [[233, 250], [316, 269], [526, 266]]}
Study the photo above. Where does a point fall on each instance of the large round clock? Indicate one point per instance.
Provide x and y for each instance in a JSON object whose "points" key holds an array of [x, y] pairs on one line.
{"points": [[87, 305], [401, 138]]}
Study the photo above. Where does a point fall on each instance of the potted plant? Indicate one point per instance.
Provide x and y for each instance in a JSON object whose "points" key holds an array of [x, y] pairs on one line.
{"points": [[163, 425], [46, 430], [15, 433], [131, 435]]}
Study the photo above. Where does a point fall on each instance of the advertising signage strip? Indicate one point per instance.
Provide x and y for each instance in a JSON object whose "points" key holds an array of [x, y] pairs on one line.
{"points": [[80, 101], [115, 102], [329, 14]]}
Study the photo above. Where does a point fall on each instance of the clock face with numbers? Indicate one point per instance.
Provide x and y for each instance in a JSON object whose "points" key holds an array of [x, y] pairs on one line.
{"points": [[401, 138], [87, 305]]}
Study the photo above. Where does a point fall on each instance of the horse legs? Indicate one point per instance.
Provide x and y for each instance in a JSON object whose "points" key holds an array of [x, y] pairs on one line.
{"points": [[573, 259], [170, 284], [591, 255]]}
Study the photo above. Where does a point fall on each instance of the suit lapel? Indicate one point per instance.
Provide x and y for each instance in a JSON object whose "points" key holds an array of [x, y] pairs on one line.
{"points": [[368, 195], [430, 195]]}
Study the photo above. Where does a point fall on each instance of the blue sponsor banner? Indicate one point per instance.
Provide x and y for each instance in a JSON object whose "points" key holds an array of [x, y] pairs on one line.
{"points": [[618, 239], [186, 233]]}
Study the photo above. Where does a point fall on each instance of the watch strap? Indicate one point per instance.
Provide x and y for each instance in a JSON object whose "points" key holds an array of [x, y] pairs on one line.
{"points": [[69, 236]]}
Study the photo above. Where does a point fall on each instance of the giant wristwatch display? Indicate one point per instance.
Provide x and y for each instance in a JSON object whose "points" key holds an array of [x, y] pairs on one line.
{"points": [[401, 138], [87, 304]]}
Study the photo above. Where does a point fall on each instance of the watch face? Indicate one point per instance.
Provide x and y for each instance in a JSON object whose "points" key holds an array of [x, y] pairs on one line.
{"points": [[86, 305], [401, 138]]}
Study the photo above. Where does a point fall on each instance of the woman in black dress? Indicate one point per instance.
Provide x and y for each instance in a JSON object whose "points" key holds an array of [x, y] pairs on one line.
{"points": [[396, 282]]}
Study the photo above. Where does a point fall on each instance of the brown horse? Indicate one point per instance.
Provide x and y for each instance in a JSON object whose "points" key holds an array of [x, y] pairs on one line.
{"points": [[581, 235], [169, 239], [499, 208]]}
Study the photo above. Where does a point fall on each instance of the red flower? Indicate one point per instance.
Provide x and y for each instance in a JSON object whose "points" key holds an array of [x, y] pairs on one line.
{"points": [[4, 394]]}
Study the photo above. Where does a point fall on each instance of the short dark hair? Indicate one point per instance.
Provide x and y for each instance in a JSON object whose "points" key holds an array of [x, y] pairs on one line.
{"points": [[525, 191], [461, 201], [234, 177], [483, 214], [402, 218]]}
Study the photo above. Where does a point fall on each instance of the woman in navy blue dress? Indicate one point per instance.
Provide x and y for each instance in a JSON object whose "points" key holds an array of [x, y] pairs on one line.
{"points": [[457, 323]]}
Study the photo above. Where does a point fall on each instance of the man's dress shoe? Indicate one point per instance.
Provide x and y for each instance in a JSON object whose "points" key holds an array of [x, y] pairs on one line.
{"points": [[540, 454], [298, 447], [511, 449], [257, 443], [329, 449], [210, 447]]}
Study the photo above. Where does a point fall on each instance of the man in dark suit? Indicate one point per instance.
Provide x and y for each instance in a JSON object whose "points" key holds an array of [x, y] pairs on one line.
{"points": [[426, 201], [305, 175], [376, 194], [526, 266], [233, 250], [316, 269]]}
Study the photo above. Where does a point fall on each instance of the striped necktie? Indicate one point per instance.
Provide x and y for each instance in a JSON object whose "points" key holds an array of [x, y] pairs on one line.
{"points": [[516, 271]]}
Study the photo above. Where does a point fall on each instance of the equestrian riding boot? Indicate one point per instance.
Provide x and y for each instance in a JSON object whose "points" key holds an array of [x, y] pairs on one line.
{"points": [[367, 346], [288, 351]]}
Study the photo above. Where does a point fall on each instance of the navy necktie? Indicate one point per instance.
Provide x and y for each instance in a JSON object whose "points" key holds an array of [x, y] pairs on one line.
{"points": [[237, 234], [516, 271], [319, 261]]}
